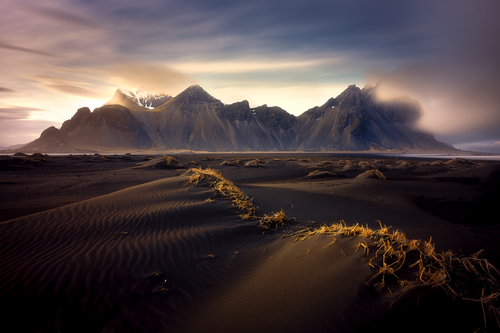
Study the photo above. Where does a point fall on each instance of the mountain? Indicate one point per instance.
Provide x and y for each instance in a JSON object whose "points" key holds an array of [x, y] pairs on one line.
{"points": [[195, 120], [110, 126], [54, 141], [356, 121], [141, 100], [353, 121], [261, 128]]}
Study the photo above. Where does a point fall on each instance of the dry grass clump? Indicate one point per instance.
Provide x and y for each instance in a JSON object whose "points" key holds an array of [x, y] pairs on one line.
{"points": [[459, 161], [321, 174], [374, 173], [240, 200], [273, 221], [29, 160], [469, 278], [253, 164], [226, 189], [365, 165], [341, 229], [168, 162]]}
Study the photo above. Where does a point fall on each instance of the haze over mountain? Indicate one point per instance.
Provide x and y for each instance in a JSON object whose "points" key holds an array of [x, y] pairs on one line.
{"points": [[194, 120]]}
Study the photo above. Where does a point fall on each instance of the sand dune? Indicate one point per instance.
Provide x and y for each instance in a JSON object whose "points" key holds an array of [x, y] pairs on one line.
{"points": [[131, 242], [159, 256]]}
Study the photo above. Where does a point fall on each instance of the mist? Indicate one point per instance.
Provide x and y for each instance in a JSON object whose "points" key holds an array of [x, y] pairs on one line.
{"points": [[458, 83]]}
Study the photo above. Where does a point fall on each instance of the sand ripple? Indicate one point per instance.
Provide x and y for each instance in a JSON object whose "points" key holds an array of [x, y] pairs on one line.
{"points": [[158, 236]]}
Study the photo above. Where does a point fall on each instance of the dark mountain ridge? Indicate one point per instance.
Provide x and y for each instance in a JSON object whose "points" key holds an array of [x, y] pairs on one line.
{"points": [[194, 120], [355, 120]]}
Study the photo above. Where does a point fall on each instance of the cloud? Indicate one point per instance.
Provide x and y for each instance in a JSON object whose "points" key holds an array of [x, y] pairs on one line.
{"points": [[253, 65], [67, 86], [6, 90], [27, 50], [152, 76], [74, 90], [458, 80], [64, 16], [482, 146], [13, 112], [460, 104]]}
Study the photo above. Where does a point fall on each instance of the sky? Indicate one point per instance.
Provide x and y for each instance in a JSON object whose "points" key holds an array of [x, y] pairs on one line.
{"points": [[59, 55]]}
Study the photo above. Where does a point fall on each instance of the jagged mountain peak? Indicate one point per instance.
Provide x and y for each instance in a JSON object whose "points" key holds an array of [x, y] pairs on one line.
{"points": [[195, 93], [354, 120]]}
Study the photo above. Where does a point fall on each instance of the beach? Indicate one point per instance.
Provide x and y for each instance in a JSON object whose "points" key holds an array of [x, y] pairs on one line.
{"points": [[129, 243]]}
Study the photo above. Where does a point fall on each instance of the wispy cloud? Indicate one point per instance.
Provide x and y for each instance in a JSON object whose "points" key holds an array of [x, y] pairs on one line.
{"points": [[27, 50], [6, 90], [13, 112], [246, 65], [63, 16]]}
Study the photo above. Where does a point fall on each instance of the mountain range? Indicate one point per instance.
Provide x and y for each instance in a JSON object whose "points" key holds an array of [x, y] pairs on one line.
{"points": [[194, 120]]}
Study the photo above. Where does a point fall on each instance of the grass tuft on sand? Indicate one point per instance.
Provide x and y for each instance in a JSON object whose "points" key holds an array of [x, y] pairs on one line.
{"points": [[226, 189], [168, 162], [273, 221], [373, 173], [469, 278], [240, 199]]}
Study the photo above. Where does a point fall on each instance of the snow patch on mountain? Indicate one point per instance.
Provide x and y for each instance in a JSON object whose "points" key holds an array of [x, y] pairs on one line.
{"points": [[146, 98]]}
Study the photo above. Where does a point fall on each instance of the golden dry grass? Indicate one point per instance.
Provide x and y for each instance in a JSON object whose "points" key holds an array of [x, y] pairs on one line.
{"points": [[239, 198], [253, 164], [469, 278], [226, 189], [273, 221], [372, 173]]}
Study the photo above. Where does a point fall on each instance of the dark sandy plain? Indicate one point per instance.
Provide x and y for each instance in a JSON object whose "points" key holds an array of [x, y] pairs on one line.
{"points": [[121, 243]]}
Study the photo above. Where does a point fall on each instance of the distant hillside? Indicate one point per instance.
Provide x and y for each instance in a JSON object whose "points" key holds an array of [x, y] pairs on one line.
{"points": [[54, 141], [194, 120]]}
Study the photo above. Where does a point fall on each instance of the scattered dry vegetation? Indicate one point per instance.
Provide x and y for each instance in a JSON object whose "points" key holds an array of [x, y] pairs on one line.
{"points": [[253, 164], [226, 189], [321, 174], [168, 162], [32, 159], [413, 263], [273, 221], [240, 199], [375, 173]]}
